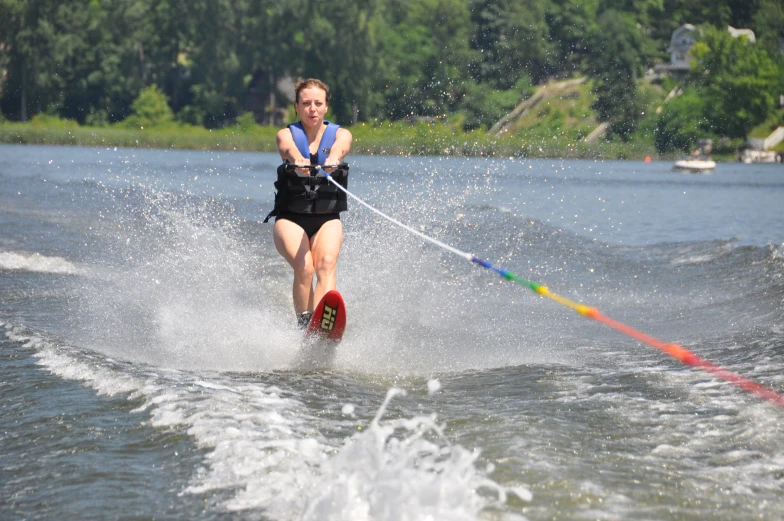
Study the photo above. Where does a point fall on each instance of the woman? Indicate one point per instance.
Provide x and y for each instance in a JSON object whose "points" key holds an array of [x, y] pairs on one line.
{"points": [[311, 242]]}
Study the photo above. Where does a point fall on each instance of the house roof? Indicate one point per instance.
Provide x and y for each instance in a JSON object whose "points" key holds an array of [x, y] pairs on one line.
{"points": [[682, 38]]}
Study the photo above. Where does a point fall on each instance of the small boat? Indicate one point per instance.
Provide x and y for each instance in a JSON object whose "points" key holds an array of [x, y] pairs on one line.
{"points": [[760, 156], [695, 165]]}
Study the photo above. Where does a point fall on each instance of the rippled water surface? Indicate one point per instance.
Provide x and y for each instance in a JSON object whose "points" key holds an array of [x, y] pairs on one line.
{"points": [[150, 366]]}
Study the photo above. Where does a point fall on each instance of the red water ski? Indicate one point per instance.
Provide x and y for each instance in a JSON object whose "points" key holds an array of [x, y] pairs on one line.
{"points": [[329, 317]]}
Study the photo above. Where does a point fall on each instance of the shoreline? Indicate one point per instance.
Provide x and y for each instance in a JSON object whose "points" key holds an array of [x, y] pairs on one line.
{"points": [[396, 139]]}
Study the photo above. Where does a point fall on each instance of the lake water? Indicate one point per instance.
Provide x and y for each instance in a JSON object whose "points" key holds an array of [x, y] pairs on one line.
{"points": [[150, 365]]}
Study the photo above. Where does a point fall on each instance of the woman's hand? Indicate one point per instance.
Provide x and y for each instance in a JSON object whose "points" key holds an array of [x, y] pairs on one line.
{"points": [[301, 161], [330, 163]]}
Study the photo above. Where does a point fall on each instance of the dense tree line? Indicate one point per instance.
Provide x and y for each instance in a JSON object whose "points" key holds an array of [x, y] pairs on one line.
{"points": [[215, 60]]}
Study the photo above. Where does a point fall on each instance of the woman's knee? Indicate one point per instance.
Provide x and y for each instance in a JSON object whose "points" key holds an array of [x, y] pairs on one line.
{"points": [[303, 268], [326, 263]]}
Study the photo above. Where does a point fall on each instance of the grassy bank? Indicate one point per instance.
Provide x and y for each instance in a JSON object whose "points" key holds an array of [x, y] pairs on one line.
{"points": [[398, 138], [553, 127], [552, 123], [46, 131], [446, 138]]}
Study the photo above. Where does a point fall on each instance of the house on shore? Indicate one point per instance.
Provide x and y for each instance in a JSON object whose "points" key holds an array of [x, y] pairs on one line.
{"points": [[683, 38], [681, 42]]}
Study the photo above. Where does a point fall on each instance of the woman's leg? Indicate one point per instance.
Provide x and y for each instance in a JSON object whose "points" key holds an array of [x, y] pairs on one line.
{"points": [[292, 243], [325, 248]]}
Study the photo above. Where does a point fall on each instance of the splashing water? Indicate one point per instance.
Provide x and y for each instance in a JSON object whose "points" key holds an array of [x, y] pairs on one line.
{"points": [[408, 470]]}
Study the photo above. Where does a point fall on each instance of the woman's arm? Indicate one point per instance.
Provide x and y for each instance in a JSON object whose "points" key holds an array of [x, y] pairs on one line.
{"points": [[288, 150], [340, 148]]}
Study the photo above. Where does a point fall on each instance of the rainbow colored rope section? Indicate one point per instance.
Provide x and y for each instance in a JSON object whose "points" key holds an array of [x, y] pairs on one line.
{"points": [[676, 351]]}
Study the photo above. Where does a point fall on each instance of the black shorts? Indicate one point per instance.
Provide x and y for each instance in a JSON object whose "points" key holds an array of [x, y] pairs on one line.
{"points": [[310, 222]]}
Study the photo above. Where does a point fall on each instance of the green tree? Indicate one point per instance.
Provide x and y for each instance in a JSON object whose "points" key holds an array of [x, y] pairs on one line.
{"points": [[166, 37], [513, 39], [737, 79], [615, 62], [347, 57], [768, 23], [681, 123], [571, 23], [31, 57], [11, 20], [90, 60], [484, 105], [70, 59], [150, 108], [99, 60], [426, 53], [266, 26], [216, 71]]}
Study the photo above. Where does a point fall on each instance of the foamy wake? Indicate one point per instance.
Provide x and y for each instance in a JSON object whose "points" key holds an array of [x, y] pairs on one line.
{"points": [[703, 257], [269, 447], [404, 469], [34, 262]]}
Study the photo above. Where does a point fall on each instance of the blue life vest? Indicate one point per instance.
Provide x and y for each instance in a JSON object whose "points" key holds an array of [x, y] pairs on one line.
{"points": [[325, 146], [305, 193]]}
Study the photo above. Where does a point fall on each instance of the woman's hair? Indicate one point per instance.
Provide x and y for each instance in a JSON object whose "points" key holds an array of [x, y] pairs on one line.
{"points": [[307, 84]]}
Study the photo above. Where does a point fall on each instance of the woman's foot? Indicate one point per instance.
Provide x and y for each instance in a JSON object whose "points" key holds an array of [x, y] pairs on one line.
{"points": [[303, 319]]}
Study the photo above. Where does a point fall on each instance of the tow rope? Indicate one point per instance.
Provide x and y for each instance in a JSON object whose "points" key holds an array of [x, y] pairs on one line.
{"points": [[676, 351]]}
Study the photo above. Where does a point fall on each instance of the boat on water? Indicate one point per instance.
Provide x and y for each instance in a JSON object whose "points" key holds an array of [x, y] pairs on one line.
{"points": [[749, 156], [704, 166], [699, 161]]}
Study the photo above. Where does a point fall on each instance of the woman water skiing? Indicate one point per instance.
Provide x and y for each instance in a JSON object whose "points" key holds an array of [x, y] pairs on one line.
{"points": [[308, 232]]}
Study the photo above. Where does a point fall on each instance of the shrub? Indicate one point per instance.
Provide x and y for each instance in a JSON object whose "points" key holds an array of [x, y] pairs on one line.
{"points": [[150, 108], [681, 123], [246, 122], [191, 115], [98, 118], [483, 106], [49, 121]]}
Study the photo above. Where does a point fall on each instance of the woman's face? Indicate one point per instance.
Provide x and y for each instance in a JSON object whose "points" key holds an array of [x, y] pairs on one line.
{"points": [[312, 106]]}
